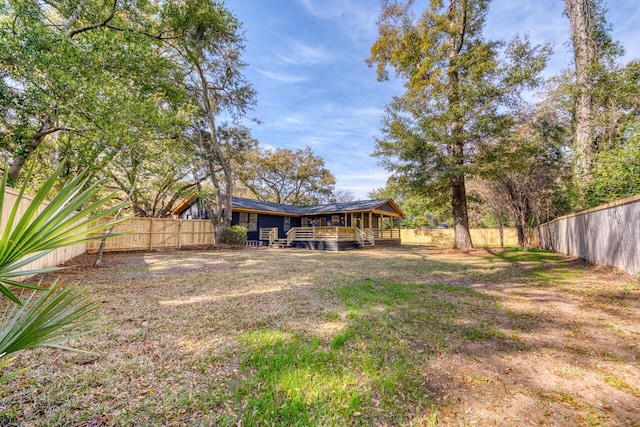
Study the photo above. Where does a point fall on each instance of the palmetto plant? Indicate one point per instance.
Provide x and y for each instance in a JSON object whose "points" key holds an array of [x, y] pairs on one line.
{"points": [[48, 315]]}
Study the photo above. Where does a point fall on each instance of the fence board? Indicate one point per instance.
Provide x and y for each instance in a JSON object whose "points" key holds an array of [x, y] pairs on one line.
{"points": [[138, 234], [608, 235], [444, 237], [57, 257]]}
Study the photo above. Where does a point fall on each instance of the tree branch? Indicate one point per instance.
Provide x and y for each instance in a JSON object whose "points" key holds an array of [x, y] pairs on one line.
{"points": [[104, 23]]}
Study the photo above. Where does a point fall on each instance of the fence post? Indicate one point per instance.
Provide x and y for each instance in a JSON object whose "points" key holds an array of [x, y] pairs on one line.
{"points": [[179, 233], [151, 235]]}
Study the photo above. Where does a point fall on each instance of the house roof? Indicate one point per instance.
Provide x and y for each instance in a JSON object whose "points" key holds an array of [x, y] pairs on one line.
{"points": [[378, 205], [382, 206]]}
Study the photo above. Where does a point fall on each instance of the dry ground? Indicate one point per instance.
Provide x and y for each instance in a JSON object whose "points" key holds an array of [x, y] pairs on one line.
{"points": [[399, 336]]}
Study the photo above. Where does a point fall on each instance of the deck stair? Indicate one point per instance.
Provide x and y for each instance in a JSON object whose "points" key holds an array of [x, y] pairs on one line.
{"points": [[279, 243], [365, 237]]}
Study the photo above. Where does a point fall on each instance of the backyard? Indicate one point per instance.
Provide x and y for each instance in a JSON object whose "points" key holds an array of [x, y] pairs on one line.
{"points": [[398, 336]]}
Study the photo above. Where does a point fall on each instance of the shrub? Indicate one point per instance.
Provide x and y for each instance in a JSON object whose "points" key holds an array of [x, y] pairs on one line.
{"points": [[233, 235]]}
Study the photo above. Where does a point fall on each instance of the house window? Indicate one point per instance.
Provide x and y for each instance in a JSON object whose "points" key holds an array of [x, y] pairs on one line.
{"points": [[253, 222], [335, 219], [248, 220], [319, 222]]}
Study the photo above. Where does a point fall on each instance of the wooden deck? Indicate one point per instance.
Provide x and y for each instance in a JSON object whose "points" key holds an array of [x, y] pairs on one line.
{"points": [[334, 238]]}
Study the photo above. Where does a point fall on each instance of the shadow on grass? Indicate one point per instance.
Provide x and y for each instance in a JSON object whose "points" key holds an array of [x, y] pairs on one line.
{"points": [[355, 338], [376, 370]]}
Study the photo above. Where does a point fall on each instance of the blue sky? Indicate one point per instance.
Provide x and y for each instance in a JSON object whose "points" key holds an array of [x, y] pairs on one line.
{"points": [[306, 61]]}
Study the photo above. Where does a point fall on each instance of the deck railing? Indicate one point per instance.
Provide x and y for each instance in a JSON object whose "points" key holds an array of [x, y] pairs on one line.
{"points": [[386, 233], [320, 233], [291, 236], [264, 233], [363, 236], [273, 235], [369, 236]]}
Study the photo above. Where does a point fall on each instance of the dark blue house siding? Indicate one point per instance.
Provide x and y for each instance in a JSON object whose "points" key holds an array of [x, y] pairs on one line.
{"points": [[266, 221], [270, 221], [251, 235]]}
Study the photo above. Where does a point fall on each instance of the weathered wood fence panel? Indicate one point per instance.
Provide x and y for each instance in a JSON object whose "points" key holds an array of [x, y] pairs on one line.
{"points": [[608, 234], [52, 259], [138, 234], [444, 237]]}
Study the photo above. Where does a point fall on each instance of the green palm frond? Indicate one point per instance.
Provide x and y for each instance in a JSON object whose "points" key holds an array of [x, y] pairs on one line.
{"points": [[64, 221], [45, 320], [50, 315]]}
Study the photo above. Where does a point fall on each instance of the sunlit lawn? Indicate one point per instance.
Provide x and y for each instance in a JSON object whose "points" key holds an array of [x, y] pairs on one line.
{"points": [[405, 336]]}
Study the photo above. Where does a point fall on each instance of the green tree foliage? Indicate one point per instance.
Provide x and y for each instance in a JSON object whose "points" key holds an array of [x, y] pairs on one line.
{"points": [[614, 121], [166, 171], [616, 173], [286, 176], [526, 173], [594, 53], [459, 87], [419, 210], [81, 80]]}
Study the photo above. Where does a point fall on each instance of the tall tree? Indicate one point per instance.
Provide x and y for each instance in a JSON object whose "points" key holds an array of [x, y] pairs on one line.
{"points": [[286, 176], [208, 44], [592, 48], [458, 86]]}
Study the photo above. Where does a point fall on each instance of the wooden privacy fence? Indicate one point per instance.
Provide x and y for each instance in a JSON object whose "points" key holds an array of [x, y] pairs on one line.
{"points": [[156, 233], [608, 234], [444, 237], [52, 259]]}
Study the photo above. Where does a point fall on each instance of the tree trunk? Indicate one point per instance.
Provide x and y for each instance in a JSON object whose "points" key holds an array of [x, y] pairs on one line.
{"points": [[501, 234], [20, 159], [582, 24], [462, 237], [228, 215], [103, 242], [217, 152], [214, 211], [520, 231], [521, 228]]}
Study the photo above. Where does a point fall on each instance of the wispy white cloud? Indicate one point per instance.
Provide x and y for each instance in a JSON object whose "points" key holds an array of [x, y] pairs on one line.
{"points": [[357, 18], [299, 53], [362, 181], [324, 9], [283, 77]]}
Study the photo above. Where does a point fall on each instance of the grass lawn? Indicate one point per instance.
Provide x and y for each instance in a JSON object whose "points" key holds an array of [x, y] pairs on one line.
{"points": [[398, 336]]}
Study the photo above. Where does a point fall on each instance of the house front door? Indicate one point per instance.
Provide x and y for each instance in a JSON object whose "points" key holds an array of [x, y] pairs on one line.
{"points": [[287, 223]]}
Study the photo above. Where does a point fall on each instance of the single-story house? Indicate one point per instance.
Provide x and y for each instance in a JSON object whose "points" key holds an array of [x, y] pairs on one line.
{"points": [[335, 226]]}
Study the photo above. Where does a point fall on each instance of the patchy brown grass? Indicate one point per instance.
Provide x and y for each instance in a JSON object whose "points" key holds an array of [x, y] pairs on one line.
{"points": [[398, 336]]}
